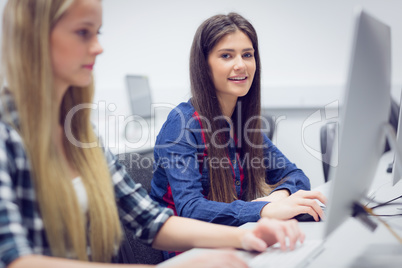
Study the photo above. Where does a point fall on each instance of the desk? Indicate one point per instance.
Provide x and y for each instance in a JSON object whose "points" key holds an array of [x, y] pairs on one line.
{"points": [[352, 244]]}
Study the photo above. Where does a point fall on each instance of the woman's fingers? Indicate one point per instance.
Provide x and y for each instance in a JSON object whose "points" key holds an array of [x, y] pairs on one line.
{"points": [[281, 237], [282, 232], [216, 259], [251, 242], [312, 195], [315, 211], [291, 234], [310, 211], [298, 203], [305, 202]]}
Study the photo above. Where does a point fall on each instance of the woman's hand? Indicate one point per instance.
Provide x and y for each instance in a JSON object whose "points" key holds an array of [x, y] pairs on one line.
{"points": [[275, 196], [266, 233], [215, 259], [298, 203], [270, 231]]}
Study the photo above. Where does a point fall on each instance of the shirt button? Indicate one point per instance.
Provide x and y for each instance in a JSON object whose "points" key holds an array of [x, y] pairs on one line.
{"points": [[237, 183]]}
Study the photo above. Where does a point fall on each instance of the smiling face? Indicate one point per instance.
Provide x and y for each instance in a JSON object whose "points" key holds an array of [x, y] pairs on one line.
{"points": [[74, 44], [232, 66]]}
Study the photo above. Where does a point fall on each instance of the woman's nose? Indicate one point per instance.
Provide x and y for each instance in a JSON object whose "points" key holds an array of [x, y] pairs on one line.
{"points": [[239, 64], [96, 47]]}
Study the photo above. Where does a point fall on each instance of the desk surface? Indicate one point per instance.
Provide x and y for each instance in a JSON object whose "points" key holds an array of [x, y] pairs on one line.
{"points": [[352, 244]]}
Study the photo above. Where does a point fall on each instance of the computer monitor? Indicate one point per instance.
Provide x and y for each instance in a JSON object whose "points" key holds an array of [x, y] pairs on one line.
{"points": [[139, 94], [364, 112], [396, 169]]}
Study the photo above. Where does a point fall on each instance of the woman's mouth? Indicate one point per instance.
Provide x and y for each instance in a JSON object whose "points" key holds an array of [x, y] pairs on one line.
{"points": [[89, 66], [238, 78]]}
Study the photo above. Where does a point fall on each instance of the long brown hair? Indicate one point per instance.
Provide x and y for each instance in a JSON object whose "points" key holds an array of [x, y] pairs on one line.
{"points": [[26, 60], [205, 101]]}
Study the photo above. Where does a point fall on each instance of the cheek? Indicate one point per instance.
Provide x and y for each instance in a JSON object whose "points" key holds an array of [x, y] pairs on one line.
{"points": [[60, 64], [220, 73], [251, 69], [59, 54]]}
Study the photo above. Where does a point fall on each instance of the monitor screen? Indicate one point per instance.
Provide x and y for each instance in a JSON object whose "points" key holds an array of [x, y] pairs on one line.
{"points": [[396, 170], [139, 94], [365, 111]]}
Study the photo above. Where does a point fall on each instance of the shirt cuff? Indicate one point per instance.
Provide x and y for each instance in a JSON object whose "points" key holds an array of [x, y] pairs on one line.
{"points": [[13, 253], [285, 187], [251, 212], [159, 221]]}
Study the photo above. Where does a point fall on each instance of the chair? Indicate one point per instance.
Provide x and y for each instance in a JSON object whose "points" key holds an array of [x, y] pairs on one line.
{"points": [[268, 124], [132, 250], [327, 136], [393, 119]]}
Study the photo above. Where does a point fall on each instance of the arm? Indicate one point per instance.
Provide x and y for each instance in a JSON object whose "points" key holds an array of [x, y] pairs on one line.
{"points": [[37, 261], [13, 234], [298, 203], [177, 168], [214, 259], [136, 209], [182, 234], [292, 196]]}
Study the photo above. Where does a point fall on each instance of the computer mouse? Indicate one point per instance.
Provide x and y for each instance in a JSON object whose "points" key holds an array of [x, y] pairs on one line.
{"points": [[304, 217]]}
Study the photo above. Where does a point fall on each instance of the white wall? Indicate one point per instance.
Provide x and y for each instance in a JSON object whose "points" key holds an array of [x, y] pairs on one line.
{"points": [[305, 48], [304, 44]]}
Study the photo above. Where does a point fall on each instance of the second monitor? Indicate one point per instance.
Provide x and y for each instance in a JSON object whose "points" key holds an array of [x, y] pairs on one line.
{"points": [[139, 93]]}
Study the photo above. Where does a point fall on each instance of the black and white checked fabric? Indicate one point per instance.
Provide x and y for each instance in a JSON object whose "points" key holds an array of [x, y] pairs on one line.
{"points": [[21, 227]]}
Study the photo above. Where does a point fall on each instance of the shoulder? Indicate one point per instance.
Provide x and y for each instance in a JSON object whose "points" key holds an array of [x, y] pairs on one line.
{"points": [[182, 116], [182, 124], [184, 109]]}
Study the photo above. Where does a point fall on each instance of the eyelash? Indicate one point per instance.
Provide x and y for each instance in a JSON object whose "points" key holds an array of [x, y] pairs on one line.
{"points": [[85, 33], [246, 55]]}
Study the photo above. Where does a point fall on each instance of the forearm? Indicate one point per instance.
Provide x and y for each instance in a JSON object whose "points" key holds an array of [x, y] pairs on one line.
{"points": [[182, 234], [38, 261], [235, 213]]}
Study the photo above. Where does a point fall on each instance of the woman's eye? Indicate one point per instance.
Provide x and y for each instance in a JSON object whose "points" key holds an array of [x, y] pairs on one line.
{"points": [[225, 56], [248, 55], [83, 33]]}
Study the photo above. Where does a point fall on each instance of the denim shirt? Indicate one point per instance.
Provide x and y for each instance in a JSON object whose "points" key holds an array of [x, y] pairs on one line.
{"points": [[181, 181]]}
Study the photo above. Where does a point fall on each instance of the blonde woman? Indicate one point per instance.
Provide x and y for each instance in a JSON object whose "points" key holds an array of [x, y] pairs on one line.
{"points": [[61, 205]]}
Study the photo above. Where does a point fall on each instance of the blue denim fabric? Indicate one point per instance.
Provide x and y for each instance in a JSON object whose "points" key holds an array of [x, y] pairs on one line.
{"points": [[179, 182]]}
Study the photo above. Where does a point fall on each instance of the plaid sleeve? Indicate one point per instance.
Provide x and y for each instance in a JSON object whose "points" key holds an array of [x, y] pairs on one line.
{"points": [[136, 209], [13, 235]]}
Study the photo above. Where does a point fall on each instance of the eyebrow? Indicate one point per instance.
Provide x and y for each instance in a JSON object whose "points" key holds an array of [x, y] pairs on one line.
{"points": [[232, 50], [88, 23]]}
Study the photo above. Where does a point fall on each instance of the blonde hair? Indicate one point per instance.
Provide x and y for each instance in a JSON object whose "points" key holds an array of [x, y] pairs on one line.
{"points": [[26, 60]]}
